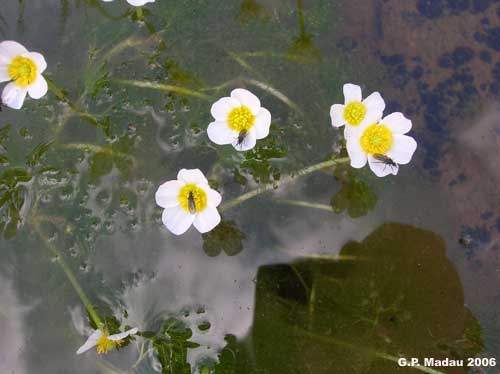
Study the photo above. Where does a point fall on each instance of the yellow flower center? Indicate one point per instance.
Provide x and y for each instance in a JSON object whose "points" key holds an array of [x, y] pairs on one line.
{"points": [[22, 70], [354, 113], [104, 345], [240, 118], [376, 138], [192, 198]]}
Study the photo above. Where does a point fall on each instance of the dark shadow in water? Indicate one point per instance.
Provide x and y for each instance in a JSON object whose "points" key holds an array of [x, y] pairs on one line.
{"points": [[396, 293]]}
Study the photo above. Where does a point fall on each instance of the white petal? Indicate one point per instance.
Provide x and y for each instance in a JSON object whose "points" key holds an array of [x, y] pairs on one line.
{"points": [[402, 149], [397, 122], [356, 154], [246, 98], [353, 131], [192, 176], [10, 49], [139, 2], [248, 142], [375, 106], [38, 88], [177, 220], [214, 198], [13, 96], [4, 75], [91, 342], [220, 133], [207, 219], [221, 108], [337, 115], [124, 334], [262, 123], [380, 169], [39, 60], [167, 195], [352, 92]]}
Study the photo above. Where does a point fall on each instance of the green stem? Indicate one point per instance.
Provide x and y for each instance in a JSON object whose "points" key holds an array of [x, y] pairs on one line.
{"points": [[306, 204], [86, 147], [162, 87], [276, 93], [71, 277], [302, 281], [289, 178], [62, 96], [302, 23]]}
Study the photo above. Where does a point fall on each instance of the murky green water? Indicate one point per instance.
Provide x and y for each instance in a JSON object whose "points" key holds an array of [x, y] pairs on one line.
{"points": [[403, 266]]}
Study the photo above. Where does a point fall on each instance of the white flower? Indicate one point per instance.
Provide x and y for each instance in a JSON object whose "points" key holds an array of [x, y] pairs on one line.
{"points": [[135, 2], [188, 200], [382, 144], [104, 341], [239, 120], [25, 70], [356, 112]]}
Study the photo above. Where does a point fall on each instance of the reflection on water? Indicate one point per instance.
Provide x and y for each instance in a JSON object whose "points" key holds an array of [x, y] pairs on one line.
{"points": [[13, 331], [275, 285]]}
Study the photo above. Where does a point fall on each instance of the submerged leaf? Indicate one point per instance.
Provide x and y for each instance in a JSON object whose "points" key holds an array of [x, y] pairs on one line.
{"points": [[100, 164], [396, 295], [33, 158]]}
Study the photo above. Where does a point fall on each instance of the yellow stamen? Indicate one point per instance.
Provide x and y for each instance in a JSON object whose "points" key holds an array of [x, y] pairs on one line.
{"points": [[104, 345], [198, 197], [354, 113], [241, 118], [376, 138], [23, 71]]}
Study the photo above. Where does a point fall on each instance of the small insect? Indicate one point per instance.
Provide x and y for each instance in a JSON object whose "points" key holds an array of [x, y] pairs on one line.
{"points": [[191, 203], [241, 138], [386, 160]]}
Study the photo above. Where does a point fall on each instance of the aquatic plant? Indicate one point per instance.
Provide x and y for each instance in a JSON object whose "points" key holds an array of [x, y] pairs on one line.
{"points": [[86, 188], [104, 341], [239, 120], [370, 138], [187, 201], [25, 70], [356, 112], [382, 144]]}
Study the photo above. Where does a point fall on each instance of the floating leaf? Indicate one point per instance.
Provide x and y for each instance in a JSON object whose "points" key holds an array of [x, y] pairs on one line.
{"points": [[355, 196], [171, 347], [225, 237], [258, 160], [4, 133]]}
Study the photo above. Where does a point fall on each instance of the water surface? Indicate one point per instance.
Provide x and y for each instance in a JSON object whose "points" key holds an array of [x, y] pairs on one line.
{"points": [[407, 266]]}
